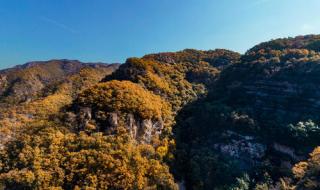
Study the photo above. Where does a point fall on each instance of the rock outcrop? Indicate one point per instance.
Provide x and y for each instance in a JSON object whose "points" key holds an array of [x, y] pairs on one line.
{"points": [[246, 149], [142, 130]]}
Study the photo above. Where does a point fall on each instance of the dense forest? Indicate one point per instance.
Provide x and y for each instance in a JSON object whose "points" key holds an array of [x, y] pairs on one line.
{"points": [[189, 120]]}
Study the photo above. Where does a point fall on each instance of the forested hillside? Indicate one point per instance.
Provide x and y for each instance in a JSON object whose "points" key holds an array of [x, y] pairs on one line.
{"points": [[178, 120]]}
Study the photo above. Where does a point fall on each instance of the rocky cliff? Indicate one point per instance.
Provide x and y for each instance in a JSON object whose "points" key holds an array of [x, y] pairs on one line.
{"points": [[194, 119], [260, 115]]}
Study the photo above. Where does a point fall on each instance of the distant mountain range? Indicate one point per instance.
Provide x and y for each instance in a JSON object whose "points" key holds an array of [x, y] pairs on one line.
{"points": [[25, 82]]}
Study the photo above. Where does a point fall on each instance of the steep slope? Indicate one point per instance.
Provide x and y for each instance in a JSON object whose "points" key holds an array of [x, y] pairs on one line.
{"points": [[178, 77], [130, 113], [259, 118], [36, 90]]}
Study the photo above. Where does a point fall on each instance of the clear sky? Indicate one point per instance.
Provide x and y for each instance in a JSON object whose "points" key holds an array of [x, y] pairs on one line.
{"points": [[112, 30]]}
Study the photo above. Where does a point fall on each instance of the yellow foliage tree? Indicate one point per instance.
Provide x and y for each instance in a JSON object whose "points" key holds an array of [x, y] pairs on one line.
{"points": [[46, 156], [126, 97]]}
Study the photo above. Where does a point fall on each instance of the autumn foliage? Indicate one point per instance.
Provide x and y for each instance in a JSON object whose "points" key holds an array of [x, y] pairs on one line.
{"points": [[46, 156], [124, 96], [201, 119]]}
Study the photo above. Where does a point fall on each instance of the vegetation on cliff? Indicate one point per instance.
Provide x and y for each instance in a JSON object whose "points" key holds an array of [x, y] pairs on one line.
{"points": [[204, 119], [124, 96], [241, 124]]}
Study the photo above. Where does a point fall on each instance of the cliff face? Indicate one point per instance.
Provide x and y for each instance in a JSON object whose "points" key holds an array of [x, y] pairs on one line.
{"points": [[274, 94], [141, 130], [289, 87], [260, 114]]}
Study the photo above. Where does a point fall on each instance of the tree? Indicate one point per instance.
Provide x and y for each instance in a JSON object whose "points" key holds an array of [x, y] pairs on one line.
{"points": [[48, 156]]}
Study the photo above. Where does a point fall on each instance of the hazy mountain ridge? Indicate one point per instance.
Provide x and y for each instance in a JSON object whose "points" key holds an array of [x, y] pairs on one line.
{"points": [[26, 81]]}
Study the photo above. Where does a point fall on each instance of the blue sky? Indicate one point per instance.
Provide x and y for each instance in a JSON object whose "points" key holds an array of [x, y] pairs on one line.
{"points": [[113, 30]]}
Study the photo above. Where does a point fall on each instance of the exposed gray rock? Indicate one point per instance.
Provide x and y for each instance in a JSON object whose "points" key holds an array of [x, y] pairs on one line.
{"points": [[132, 126], [142, 130], [84, 116], [244, 148], [113, 119], [145, 131]]}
